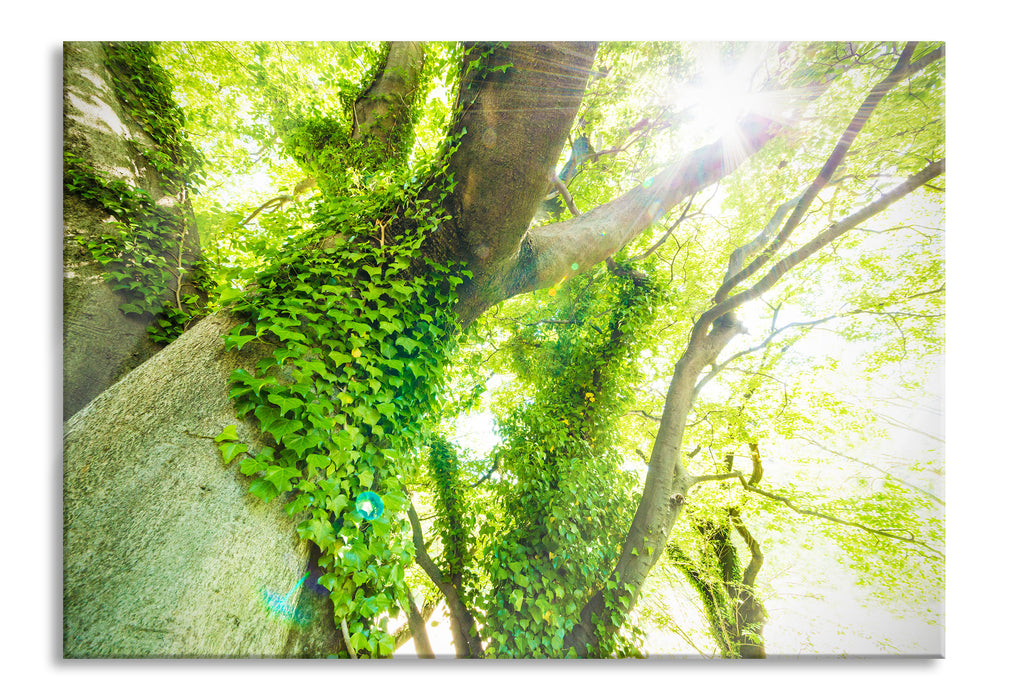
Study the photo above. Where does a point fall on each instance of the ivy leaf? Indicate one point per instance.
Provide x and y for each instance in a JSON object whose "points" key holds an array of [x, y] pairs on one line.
{"points": [[230, 450], [303, 443], [340, 358], [407, 344], [250, 466], [264, 489], [237, 341], [285, 404], [282, 428], [281, 477], [317, 461], [368, 414], [229, 433]]}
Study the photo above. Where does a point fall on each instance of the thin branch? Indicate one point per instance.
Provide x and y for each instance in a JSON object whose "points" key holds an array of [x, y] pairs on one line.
{"points": [[669, 231], [882, 471], [718, 367], [346, 638], [643, 414], [471, 644], [497, 463], [692, 480], [562, 188], [806, 511], [833, 162], [831, 233]]}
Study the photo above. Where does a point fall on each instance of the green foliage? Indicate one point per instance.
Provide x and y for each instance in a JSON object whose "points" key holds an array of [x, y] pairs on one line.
{"points": [[145, 89], [565, 502], [361, 336], [360, 342], [147, 258], [455, 523]]}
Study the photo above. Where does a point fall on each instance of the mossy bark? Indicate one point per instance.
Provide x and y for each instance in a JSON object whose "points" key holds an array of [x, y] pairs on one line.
{"points": [[101, 343]]}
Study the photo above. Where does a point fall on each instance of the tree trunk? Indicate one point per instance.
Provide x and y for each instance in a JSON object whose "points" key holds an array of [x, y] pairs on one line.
{"points": [[100, 342], [165, 552]]}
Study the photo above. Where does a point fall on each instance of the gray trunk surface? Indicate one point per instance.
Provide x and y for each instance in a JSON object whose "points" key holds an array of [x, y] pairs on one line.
{"points": [[166, 553], [100, 343]]}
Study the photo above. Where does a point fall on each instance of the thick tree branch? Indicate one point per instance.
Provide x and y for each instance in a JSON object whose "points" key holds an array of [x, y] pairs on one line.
{"points": [[662, 500], [756, 556], [516, 107], [405, 632], [598, 234], [384, 107], [666, 478], [417, 624], [903, 69]]}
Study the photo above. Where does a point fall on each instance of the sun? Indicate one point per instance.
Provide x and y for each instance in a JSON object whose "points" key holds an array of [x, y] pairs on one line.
{"points": [[723, 92]]}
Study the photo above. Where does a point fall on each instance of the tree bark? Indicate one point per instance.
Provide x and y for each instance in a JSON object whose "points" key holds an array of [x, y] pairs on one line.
{"points": [[418, 628], [384, 106], [516, 121], [100, 342], [165, 551]]}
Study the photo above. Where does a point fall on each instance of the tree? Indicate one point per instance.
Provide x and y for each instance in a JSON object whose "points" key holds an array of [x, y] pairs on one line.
{"points": [[322, 370], [118, 279]]}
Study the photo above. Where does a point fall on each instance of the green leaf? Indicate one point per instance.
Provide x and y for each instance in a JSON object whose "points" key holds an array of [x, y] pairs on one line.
{"points": [[407, 344], [229, 433], [263, 489], [516, 599], [318, 462], [283, 428], [230, 450], [237, 341], [285, 404]]}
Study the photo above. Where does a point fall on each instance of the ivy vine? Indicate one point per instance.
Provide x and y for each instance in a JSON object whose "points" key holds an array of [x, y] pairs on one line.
{"points": [[145, 257], [569, 507], [361, 323]]}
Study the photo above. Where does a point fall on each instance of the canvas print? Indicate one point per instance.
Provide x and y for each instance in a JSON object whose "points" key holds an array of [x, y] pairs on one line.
{"points": [[503, 350]]}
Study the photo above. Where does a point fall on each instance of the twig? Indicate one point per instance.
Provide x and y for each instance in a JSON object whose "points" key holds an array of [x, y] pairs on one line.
{"points": [[346, 638], [669, 231], [497, 463], [874, 467], [806, 511], [564, 194]]}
